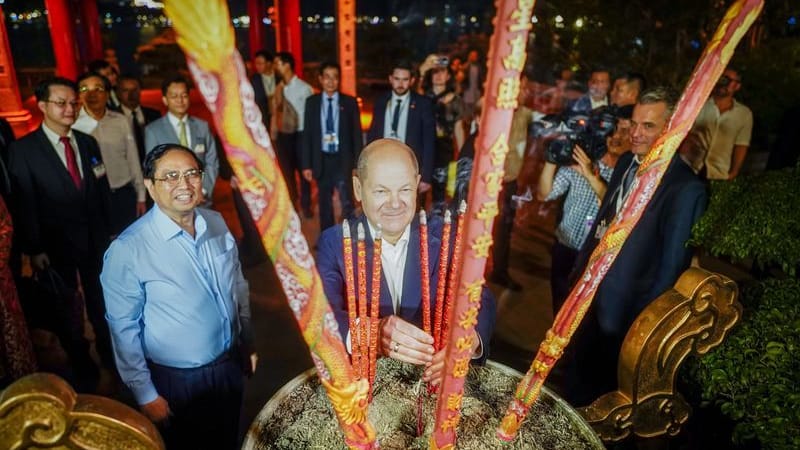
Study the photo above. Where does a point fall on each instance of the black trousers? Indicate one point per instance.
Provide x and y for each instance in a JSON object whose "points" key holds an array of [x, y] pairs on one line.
{"points": [[333, 178], [289, 160], [205, 402], [89, 272], [562, 261], [502, 229], [123, 208]]}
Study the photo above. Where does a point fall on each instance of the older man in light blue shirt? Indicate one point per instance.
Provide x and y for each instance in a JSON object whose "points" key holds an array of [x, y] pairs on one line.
{"points": [[178, 308]]}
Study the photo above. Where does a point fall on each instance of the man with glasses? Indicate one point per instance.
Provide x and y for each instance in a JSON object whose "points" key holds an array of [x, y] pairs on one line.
{"points": [[178, 308], [178, 127], [117, 146], [722, 129], [62, 218]]}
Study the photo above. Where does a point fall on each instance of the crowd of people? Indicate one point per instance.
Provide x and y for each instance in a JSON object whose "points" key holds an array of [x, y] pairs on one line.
{"points": [[112, 206]]}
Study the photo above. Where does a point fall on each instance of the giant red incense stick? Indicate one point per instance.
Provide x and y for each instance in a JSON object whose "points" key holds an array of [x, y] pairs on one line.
{"points": [[441, 285], [506, 59], [424, 272], [374, 307], [363, 300]]}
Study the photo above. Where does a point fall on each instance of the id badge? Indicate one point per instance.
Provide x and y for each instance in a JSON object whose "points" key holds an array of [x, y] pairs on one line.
{"points": [[601, 229], [330, 138], [200, 149], [98, 168]]}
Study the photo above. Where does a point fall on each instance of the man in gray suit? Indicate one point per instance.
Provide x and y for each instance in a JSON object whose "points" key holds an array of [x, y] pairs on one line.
{"points": [[178, 127]]}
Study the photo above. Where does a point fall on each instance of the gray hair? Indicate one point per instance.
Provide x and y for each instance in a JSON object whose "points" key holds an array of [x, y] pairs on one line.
{"points": [[659, 94]]}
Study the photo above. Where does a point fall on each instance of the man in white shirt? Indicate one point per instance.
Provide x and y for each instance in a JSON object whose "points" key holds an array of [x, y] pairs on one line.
{"points": [[722, 129], [178, 127], [117, 146], [386, 185], [287, 126]]}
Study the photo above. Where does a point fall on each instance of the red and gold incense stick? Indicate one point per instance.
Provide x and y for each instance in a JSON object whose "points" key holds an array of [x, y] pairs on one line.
{"points": [[441, 284], [374, 308], [425, 272], [506, 59], [716, 56], [350, 288], [204, 32], [454, 271], [363, 319]]}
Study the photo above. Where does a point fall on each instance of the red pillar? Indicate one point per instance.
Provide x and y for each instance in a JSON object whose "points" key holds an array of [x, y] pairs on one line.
{"points": [[288, 31], [62, 33], [10, 100], [257, 12], [346, 37], [90, 22]]}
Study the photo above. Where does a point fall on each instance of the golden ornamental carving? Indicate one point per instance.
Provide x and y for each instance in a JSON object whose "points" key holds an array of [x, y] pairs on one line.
{"points": [[349, 402], [689, 319], [42, 411]]}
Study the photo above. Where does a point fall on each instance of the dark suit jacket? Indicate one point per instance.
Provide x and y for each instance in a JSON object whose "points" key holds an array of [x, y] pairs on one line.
{"points": [[420, 129], [349, 134], [655, 254], [261, 98], [150, 115], [330, 263], [51, 214]]}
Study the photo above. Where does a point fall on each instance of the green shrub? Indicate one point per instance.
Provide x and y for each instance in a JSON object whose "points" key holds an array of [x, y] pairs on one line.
{"points": [[754, 217], [754, 375]]}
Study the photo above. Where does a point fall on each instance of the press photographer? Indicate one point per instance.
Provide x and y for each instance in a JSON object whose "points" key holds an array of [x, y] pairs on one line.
{"points": [[580, 160]]}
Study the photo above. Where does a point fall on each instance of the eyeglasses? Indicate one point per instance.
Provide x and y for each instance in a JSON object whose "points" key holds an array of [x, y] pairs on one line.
{"points": [[172, 178], [63, 103], [94, 89]]}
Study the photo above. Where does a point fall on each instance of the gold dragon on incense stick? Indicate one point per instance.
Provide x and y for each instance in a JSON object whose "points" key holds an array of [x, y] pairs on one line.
{"points": [[205, 34]]}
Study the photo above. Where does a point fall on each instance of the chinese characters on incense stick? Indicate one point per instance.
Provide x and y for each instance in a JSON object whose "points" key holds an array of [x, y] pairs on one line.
{"points": [[363, 311]]}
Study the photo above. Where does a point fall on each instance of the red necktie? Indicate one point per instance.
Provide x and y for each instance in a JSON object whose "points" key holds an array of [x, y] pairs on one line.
{"points": [[72, 164]]}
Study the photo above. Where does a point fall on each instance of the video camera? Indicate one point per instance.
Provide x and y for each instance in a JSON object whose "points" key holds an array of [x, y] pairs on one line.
{"points": [[589, 131]]}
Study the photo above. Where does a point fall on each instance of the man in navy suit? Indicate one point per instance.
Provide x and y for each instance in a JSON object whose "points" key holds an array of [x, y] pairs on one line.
{"points": [[408, 117], [331, 142], [653, 257], [62, 215], [386, 185]]}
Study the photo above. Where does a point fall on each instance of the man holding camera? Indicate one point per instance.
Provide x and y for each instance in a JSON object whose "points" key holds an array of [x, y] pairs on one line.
{"points": [[723, 128], [583, 185]]}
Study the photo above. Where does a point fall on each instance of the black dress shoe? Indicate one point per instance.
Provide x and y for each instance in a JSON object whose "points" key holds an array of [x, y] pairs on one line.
{"points": [[506, 281]]}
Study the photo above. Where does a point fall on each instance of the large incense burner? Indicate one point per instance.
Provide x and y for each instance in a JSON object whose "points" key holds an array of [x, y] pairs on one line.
{"points": [[300, 415]]}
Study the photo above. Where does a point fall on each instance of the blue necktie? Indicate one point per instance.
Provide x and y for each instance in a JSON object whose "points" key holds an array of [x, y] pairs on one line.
{"points": [[329, 125]]}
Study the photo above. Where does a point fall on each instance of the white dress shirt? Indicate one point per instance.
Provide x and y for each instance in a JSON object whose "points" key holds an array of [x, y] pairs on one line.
{"points": [[55, 139], [175, 122], [296, 92], [402, 123]]}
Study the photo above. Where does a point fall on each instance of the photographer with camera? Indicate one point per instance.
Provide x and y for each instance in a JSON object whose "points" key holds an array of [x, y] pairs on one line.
{"points": [[579, 165]]}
